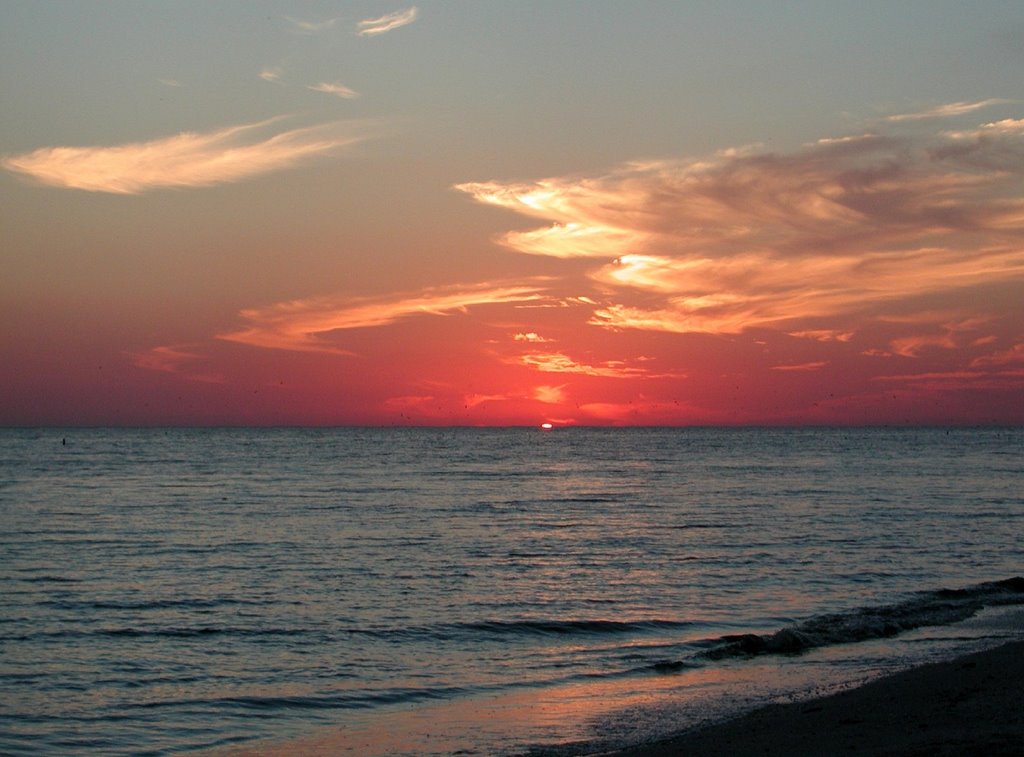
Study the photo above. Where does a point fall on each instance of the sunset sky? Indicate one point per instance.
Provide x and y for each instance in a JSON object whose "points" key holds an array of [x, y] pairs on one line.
{"points": [[490, 213]]}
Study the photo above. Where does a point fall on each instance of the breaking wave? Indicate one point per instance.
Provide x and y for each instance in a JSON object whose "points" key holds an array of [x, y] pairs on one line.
{"points": [[926, 609]]}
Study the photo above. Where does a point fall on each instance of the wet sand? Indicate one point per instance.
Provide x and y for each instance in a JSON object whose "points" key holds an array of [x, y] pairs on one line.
{"points": [[973, 705]]}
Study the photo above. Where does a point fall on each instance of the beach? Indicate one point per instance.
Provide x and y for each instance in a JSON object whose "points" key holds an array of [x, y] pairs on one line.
{"points": [[968, 706]]}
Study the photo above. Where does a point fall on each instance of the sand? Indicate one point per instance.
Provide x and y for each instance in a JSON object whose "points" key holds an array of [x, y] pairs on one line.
{"points": [[973, 705]]}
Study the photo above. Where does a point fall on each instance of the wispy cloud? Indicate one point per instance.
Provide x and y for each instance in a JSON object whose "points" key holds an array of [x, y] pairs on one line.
{"points": [[824, 335], [556, 362], [301, 325], [949, 109], [814, 365], [271, 74], [812, 242], [1011, 357], [334, 88], [473, 400], [550, 395], [374, 26], [184, 160], [310, 27], [177, 359]]}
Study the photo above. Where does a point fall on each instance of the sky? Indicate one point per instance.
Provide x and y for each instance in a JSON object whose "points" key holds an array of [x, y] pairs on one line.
{"points": [[511, 213]]}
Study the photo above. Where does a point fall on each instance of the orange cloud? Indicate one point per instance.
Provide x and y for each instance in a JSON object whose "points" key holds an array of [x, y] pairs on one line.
{"points": [[530, 337], [301, 325], [801, 367], [809, 242], [185, 160], [556, 362]]}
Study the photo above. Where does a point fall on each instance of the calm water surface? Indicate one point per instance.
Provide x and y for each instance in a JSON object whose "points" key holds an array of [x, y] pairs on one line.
{"points": [[170, 591]]}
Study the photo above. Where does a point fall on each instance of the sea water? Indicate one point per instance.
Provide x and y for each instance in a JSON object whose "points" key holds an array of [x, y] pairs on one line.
{"points": [[480, 591]]}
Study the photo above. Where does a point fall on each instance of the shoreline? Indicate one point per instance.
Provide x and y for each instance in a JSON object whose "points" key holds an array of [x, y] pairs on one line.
{"points": [[971, 705]]}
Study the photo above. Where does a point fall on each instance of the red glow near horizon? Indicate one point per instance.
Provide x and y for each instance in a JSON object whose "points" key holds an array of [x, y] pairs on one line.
{"points": [[870, 279]]}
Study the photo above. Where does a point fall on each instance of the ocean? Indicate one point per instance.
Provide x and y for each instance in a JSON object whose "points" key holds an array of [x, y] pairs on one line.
{"points": [[481, 591]]}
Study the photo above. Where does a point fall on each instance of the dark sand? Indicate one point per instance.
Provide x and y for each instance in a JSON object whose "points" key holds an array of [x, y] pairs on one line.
{"points": [[970, 706]]}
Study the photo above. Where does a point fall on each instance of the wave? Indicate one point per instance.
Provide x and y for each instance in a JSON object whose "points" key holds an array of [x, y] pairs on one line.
{"points": [[320, 701], [445, 631], [172, 632], [151, 604], [572, 627], [521, 628], [931, 608]]}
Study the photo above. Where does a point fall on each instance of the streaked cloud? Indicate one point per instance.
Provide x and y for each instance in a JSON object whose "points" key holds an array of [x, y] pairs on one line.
{"points": [[1010, 357], [815, 365], [334, 88], [180, 360], [824, 335], [949, 109], [557, 362], [958, 380], [185, 160], [814, 242], [310, 27], [470, 401], [302, 325], [373, 26]]}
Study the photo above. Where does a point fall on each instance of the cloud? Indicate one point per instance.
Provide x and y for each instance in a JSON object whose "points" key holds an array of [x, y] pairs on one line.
{"points": [[950, 339], [801, 367], [823, 335], [184, 160], [176, 359], [271, 74], [957, 380], [815, 241], [531, 337], [949, 109], [1011, 357], [336, 89], [310, 27], [374, 26], [556, 362], [472, 400], [411, 402], [550, 395], [300, 325]]}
